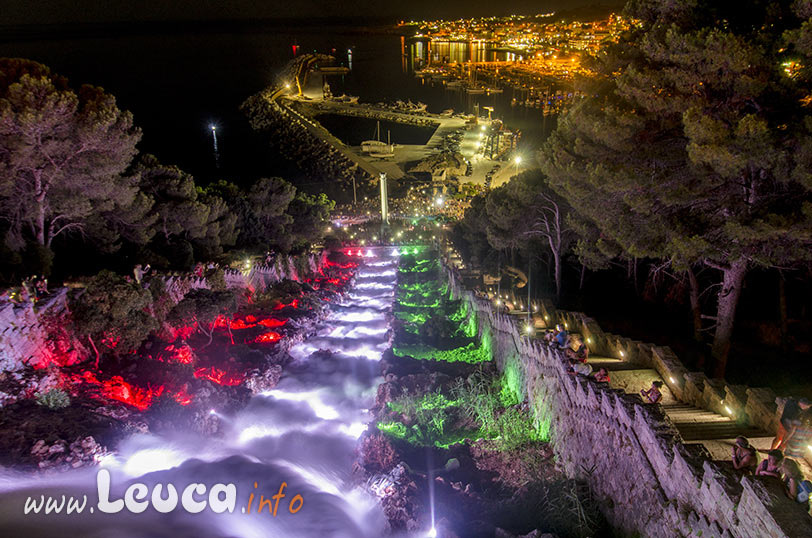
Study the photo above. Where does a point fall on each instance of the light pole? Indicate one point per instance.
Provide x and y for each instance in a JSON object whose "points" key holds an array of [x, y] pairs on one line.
{"points": [[517, 161]]}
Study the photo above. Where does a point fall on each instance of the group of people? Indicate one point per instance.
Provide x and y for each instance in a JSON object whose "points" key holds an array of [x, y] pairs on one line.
{"points": [[577, 356], [31, 290], [776, 465], [794, 436], [559, 338]]}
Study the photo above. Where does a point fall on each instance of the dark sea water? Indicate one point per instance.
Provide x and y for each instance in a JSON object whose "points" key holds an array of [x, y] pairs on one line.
{"points": [[178, 83]]}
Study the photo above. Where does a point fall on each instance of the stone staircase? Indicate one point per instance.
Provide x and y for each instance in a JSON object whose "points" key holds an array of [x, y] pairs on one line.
{"points": [[715, 432], [695, 425], [699, 425]]}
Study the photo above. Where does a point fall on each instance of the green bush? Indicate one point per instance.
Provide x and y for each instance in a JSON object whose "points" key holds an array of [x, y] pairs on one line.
{"points": [[482, 398], [53, 399]]}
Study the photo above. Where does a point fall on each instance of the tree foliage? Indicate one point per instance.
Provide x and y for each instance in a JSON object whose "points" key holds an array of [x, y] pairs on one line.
{"points": [[524, 215], [201, 307], [696, 145], [113, 313], [63, 153], [311, 216], [67, 173], [185, 219]]}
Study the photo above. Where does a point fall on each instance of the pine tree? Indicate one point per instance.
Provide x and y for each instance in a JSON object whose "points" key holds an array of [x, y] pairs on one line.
{"points": [[696, 144], [63, 153]]}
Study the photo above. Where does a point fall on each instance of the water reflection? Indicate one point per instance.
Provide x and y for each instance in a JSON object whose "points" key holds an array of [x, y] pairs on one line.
{"points": [[425, 51]]}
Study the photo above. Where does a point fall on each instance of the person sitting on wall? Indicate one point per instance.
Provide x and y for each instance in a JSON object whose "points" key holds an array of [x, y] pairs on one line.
{"points": [[792, 411], [581, 353], [562, 337], [744, 455], [653, 394], [602, 376], [772, 465], [795, 486], [577, 367], [549, 337]]}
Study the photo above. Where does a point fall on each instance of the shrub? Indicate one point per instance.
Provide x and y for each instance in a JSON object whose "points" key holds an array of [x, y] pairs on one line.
{"points": [[53, 399]]}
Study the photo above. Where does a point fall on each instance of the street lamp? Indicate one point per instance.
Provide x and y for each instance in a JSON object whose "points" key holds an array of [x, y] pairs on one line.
{"points": [[517, 161]]}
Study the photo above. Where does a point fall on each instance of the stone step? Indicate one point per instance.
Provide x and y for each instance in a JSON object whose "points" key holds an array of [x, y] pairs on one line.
{"points": [[715, 431], [632, 379], [613, 365], [720, 449], [695, 415]]}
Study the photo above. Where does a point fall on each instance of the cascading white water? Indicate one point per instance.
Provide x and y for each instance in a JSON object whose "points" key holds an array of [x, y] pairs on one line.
{"points": [[304, 433]]}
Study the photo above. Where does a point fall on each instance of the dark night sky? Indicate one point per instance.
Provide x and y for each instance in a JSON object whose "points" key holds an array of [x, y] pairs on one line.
{"points": [[60, 11]]}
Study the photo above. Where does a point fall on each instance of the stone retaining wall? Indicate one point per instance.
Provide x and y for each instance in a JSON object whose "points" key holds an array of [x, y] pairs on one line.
{"points": [[648, 481]]}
